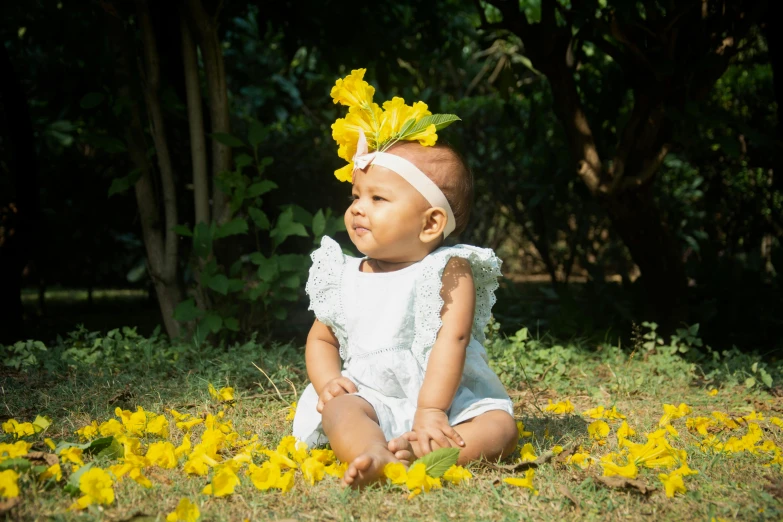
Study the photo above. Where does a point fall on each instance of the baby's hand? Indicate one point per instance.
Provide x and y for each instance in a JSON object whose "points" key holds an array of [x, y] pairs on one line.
{"points": [[432, 424], [334, 388]]}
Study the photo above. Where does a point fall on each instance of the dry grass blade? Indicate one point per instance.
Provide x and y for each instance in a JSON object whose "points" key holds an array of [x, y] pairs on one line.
{"points": [[544, 458], [271, 382], [624, 483], [563, 490]]}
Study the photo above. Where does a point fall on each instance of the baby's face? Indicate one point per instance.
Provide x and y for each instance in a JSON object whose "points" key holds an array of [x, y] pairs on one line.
{"points": [[386, 216]]}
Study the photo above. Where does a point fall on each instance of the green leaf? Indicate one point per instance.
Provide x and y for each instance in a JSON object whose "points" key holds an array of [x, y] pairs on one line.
{"points": [[439, 120], [319, 223], [259, 218], [256, 134], [187, 311], [243, 160], [290, 281], [182, 230], [120, 185], [260, 188], [108, 447], [286, 227], [219, 283], [231, 323], [268, 269], [18, 464], [280, 314], [91, 100], [228, 139], [234, 227], [235, 285], [211, 322], [439, 461]]}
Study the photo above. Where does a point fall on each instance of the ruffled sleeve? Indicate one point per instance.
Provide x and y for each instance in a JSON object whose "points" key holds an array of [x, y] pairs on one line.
{"points": [[323, 287], [486, 270]]}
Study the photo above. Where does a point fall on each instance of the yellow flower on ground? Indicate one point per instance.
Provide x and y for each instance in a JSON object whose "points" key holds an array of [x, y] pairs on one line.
{"points": [[291, 412], [17, 449], [418, 481], [54, 471], [395, 472], [198, 463], [776, 421], [110, 428], [185, 512], [623, 432], [24, 429], [656, 453], [353, 90], [286, 481], [9, 484], [699, 424], [336, 469], [162, 454], [611, 469], [184, 447], [594, 413], [613, 414], [50, 443], [323, 455], [726, 420], [672, 431], [313, 470], [456, 474], [72, 454], [97, 486], [280, 459], [671, 412], [560, 408], [88, 432], [134, 422], [672, 483], [264, 476], [713, 392], [557, 450], [598, 431], [581, 459], [158, 425], [521, 430], [223, 483], [526, 482], [188, 424], [179, 417], [527, 453]]}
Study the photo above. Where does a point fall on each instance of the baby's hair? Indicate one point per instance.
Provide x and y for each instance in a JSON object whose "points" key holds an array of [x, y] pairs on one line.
{"points": [[448, 170]]}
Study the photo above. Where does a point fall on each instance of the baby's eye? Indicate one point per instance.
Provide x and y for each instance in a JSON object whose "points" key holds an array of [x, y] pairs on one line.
{"points": [[352, 198], [378, 198]]}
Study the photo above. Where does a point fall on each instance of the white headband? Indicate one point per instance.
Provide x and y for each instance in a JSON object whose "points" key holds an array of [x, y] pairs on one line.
{"points": [[411, 173]]}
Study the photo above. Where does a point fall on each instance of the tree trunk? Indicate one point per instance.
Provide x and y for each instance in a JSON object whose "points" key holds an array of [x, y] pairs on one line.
{"points": [[163, 276], [19, 221], [205, 30]]}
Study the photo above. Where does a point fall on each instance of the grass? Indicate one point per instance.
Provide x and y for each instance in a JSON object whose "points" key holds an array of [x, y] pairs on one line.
{"points": [[729, 485]]}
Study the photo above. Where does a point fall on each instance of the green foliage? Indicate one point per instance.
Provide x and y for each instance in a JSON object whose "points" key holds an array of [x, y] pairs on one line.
{"points": [[264, 280], [23, 355]]}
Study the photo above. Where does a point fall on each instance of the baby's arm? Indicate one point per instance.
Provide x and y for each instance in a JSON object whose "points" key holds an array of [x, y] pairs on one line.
{"points": [[447, 358], [322, 357]]}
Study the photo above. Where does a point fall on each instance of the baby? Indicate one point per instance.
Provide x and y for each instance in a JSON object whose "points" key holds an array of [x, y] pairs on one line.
{"points": [[395, 354]]}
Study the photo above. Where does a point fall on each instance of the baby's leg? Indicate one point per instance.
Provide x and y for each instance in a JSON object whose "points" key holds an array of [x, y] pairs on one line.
{"points": [[491, 436], [352, 427]]}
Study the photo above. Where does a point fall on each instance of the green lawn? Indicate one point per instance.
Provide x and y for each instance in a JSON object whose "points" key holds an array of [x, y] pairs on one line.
{"points": [[729, 485]]}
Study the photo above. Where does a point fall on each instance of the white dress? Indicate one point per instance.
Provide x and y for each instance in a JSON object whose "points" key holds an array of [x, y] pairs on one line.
{"points": [[386, 324]]}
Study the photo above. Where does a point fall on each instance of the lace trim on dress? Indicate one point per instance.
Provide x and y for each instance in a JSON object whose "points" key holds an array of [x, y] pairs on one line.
{"points": [[323, 287], [398, 348], [486, 270]]}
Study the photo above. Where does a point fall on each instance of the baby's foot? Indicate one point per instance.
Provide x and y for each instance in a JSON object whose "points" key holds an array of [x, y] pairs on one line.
{"points": [[402, 449], [368, 467]]}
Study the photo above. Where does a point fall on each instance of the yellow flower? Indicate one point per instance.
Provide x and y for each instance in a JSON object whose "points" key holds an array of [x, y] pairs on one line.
{"points": [[527, 453], [19, 430], [521, 430], [726, 420], [595, 413], [9, 486], [611, 469], [345, 173], [613, 414], [456, 474], [286, 481], [88, 432], [581, 459], [560, 408], [396, 114], [96, 484], [395, 472], [111, 428], [179, 417], [290, 446], [557, 450], [279, 459], [184, 447], [313, 470], [323, 455], [598, 431], [265, 476], [131, 445], [291, 412], [776, 421], [50, 443], [672, 483], [623, 432], [699, 424], [72, 454], [54, 471], [656, 453], [336, 469], [345, 131], [198, 463], [713, 392], [526, 482], [159, 425], [17, 449], [352, 90], [672, 431], [162, 454], [224, 394], [417, 479], [671, 412], [185, 512], [223, 483], [135, 422], [188, 425]]}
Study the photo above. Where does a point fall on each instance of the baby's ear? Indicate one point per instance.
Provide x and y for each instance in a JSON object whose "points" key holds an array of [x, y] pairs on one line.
{"points": [[434, 224]]}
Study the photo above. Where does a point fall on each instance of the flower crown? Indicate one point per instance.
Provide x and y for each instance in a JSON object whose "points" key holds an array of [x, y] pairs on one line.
{"points": [[382, 128]]}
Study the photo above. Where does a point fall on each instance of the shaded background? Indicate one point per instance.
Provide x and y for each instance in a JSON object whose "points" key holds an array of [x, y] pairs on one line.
{"points": [[627, 159]]}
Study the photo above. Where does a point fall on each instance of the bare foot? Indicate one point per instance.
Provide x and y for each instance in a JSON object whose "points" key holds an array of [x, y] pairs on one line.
{"points": [[402, 449], [368, 467]]}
